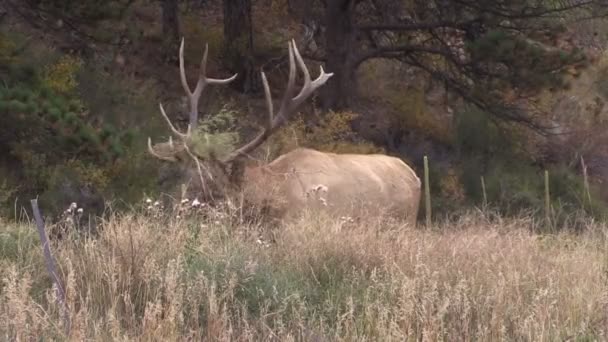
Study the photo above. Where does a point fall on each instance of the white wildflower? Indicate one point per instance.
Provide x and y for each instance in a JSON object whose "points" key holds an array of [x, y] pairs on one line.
{"points": [[185, 200], [80, 210], [148, 200], [156, 204], [196, 203]]}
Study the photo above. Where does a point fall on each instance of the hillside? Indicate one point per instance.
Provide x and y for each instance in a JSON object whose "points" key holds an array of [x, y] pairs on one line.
{"points": [[114, 71]]}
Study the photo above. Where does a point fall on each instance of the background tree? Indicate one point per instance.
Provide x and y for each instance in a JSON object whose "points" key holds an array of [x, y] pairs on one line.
{"points": [[78, 18], [238, 38], [482, 50], [170, 23]]}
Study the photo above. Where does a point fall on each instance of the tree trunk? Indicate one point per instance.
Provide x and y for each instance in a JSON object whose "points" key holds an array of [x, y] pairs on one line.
{"points": [[238, 48], [337, 92], [170, 22]]}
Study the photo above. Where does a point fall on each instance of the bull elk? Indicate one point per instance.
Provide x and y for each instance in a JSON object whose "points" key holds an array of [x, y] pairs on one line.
{"points": [[346, 184]]}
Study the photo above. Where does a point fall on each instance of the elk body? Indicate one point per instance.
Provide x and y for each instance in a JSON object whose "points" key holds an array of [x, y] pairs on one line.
{"points": [[344, 184], [352, 185]]}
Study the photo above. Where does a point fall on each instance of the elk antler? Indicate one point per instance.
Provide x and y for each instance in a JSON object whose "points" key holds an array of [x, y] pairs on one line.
{"points": [[288, 104], [193, 98]]}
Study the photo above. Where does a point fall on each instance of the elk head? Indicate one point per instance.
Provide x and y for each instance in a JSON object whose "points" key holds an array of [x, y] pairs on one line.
{"points": [[174, 151]]}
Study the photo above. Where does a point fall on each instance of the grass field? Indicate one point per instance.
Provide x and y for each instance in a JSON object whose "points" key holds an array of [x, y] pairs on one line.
{"points": [[476, 278]]}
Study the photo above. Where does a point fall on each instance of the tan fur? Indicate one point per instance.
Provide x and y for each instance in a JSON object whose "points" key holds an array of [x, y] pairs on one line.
{"points": [[352, 185]]}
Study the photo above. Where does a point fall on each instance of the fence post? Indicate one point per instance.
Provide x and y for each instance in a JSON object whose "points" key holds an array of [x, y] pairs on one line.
{"points": [[484, 193], [50, 264], [547, 198], [427, 192], [586, 191]]}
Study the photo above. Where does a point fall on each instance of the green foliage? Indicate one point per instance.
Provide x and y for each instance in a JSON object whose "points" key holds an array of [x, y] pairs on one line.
{"points": [[526, 65], [513, 182], [601, 80], [15, 242], [330, 277], [49, 124], [414, 114], [196, 36], [131, 176], [476, 134], [45, 115], [66, 116], [61, 76], [89, 11], [7, 50], [7, 192], [333, 133], [216, 135]]}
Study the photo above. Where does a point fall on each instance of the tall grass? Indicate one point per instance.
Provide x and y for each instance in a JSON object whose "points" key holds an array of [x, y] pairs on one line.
{"points": [[164, 279]]}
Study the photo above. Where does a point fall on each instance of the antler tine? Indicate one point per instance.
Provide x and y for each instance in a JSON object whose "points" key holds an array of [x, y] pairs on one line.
{"points": [[291, 82], [301, 64], [173, 129], [269, 104], [309, 86], [203, 80], [209, 80], [288, 104], [182, 70], [154, 153]]}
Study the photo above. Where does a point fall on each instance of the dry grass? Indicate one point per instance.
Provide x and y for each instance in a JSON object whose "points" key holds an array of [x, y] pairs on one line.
{"points": [[157, 279]]}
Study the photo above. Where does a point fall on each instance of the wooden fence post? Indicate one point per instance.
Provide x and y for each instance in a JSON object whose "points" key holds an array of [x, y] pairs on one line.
{"points": [[50, 264], [427, 192]]}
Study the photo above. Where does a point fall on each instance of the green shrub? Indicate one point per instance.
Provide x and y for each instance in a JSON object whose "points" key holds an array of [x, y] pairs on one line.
{"points": [[333, 133], [513, 182], [61, 76], [217, 134], [414, 113], [68, 113], [87, 11]]}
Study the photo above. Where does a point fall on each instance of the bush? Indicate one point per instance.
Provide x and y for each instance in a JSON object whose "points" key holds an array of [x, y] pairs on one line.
{"points": [[61, 76], [513, 181], [217, 134], [87, 11], [196, 36], [333, 133], [67, 115], [413, 114]]}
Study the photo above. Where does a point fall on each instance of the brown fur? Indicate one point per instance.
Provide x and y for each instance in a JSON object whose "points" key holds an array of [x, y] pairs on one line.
{"points": [[351, 185]]}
